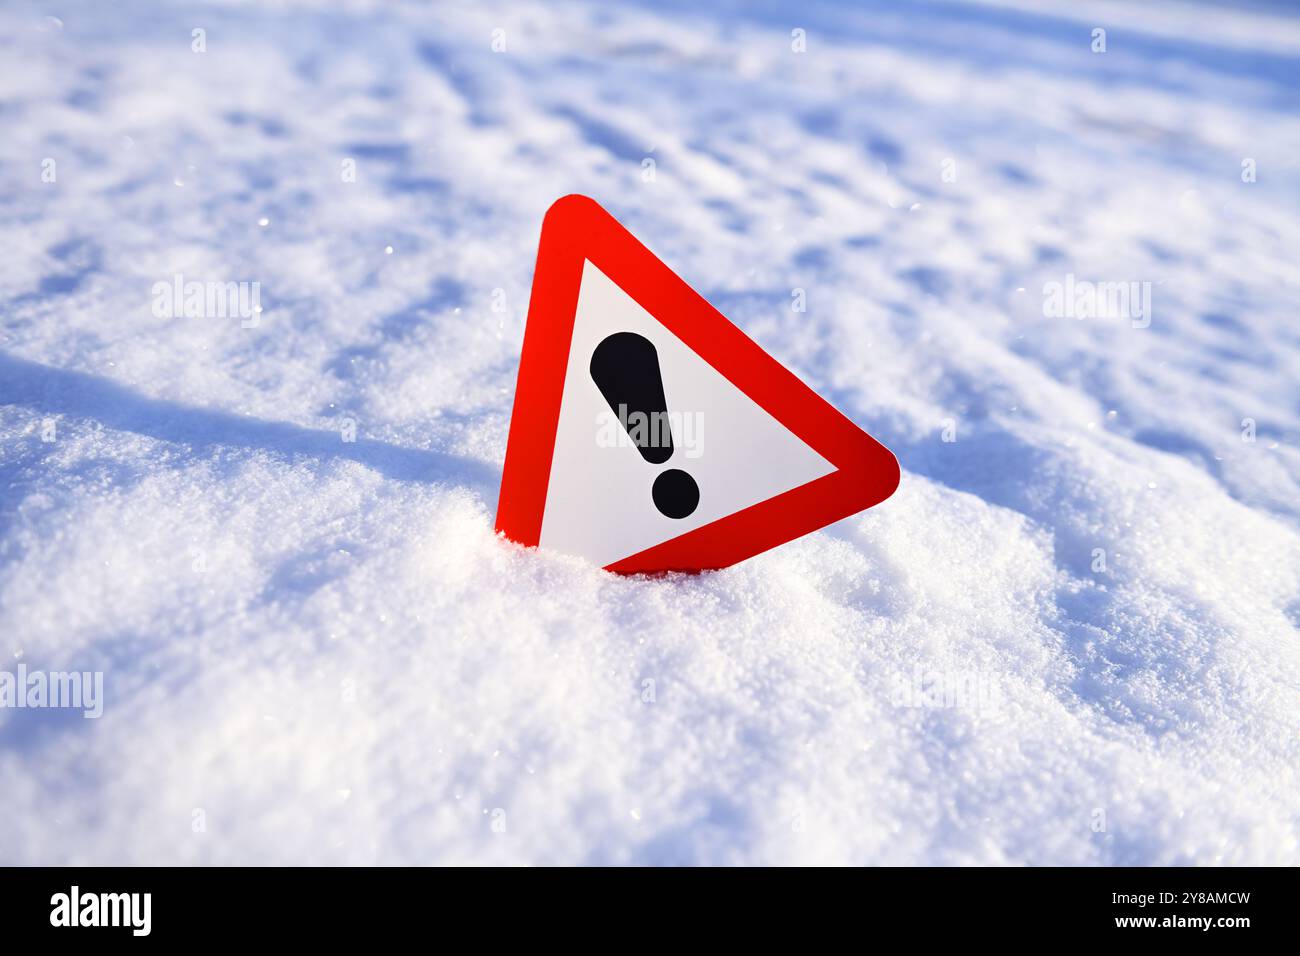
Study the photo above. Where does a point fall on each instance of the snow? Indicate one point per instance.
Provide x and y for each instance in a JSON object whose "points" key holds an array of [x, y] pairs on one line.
{"points": [[316, 650]]}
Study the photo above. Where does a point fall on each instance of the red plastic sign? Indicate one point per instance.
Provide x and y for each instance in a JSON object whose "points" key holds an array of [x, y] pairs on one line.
{"points": [[649, 434]]}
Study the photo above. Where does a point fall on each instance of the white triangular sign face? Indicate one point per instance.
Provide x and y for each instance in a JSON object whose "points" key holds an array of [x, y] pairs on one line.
{"points": [[599, 503]]}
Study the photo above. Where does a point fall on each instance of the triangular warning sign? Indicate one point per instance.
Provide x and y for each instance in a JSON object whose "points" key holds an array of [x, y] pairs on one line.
{"points": [[650, 434]]}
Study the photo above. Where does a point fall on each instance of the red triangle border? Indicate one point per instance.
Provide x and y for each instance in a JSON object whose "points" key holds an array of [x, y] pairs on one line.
{"points": [[577, 229]]}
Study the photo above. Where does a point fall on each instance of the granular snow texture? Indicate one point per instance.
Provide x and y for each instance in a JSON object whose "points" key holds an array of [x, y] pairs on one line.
{"points": [[1069, 638]]}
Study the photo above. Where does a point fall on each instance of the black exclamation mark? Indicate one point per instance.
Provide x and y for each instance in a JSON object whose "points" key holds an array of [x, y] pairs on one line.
{"points": [[625, 367]]}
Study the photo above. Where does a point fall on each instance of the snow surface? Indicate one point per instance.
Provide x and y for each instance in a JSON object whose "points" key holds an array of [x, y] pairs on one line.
{"points": [[317, 651]]}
